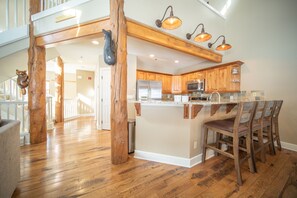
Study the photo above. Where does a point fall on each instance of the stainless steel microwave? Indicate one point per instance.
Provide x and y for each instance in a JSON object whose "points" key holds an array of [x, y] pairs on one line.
{"points": [[196, 86]]}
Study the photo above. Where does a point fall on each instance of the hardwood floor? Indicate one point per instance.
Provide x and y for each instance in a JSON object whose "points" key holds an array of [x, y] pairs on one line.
{"points": [[75, 162]]}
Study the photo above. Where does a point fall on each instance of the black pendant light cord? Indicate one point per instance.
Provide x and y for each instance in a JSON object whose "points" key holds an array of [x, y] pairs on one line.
{"points": [[166, 12], [197, 28], [210, 44]]}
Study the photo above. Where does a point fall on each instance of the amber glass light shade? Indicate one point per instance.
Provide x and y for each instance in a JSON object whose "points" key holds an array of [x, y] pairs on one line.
{"points": [[223, 47], [171, 23], [202, 37]]}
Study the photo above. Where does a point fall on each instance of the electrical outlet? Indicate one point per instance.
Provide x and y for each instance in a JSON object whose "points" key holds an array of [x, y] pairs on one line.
{"points": [[195, 144]]}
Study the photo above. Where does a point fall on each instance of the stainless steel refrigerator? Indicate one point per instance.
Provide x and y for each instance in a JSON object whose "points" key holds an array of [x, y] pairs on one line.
{"points": [[149, 90]]}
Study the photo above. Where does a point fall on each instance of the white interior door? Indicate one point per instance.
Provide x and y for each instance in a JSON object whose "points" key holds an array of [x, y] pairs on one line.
{"points": [[105, 78]]}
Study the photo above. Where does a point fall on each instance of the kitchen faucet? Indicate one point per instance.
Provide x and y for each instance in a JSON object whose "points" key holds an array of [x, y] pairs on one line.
{"points": [[215, 92]]}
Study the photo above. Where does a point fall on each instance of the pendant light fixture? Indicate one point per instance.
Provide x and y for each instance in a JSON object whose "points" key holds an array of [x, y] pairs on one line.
{"points": [[224, 46], [202, 36], [171, 22]]}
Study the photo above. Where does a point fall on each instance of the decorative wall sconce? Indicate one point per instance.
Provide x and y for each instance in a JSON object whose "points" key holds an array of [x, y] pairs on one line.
{"points": [[201, 37], [224, 46], [171, 22]]}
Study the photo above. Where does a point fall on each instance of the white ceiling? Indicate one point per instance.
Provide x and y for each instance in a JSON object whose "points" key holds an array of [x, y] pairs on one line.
{"points": [[83, 54]]}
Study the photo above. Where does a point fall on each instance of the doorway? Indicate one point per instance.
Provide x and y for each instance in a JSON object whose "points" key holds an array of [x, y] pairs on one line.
{"points": [[105, 92]]}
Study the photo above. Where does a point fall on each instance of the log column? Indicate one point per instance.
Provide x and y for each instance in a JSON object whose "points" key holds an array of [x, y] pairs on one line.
{"points": [[59, 96], [119, 117], [37, 90]]}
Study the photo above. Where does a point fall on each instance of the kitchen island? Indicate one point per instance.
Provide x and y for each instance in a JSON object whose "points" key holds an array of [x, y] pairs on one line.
{"points": [[171, 132]]}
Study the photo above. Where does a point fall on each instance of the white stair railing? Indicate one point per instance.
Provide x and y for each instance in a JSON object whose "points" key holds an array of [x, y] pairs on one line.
{"points": [[14, 106], [16, 14], [47, 4], [70, 108]]}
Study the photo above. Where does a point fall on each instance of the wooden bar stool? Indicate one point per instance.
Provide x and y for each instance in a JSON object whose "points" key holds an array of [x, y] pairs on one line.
{"points": [[267, 125], [261, 128], [275, 127], [257, 130], [241, 127]]}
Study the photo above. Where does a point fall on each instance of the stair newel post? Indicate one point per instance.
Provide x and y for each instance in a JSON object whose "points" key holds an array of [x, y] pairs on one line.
{"points": [[119, 131], [36, 88], [59, 95]]}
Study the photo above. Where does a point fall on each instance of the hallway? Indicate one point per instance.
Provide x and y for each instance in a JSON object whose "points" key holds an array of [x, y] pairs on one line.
{"points": [[75, 162]]}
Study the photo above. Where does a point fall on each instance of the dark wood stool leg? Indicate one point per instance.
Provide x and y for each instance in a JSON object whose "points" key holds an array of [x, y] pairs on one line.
{"points": [[276, 130], [205, 129], [261, 144], [271, 141], [250, 152], [219, 145], [236, 160]]}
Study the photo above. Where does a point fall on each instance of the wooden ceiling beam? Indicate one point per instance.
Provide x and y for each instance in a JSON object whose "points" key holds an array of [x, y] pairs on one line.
{"points": [[152, 35], [76, 32], [134, 29]]}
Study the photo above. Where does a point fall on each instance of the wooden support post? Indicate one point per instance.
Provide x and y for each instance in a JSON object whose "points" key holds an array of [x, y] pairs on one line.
{"points": [[214, 108], [59, 96], [230, 106], [119, 115], [195, 109], [138, 109], [186, 111], [37, 90]]}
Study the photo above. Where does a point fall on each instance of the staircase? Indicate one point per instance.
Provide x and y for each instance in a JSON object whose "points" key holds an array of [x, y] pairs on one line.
{"points": [[14, 106], [14, 35]]}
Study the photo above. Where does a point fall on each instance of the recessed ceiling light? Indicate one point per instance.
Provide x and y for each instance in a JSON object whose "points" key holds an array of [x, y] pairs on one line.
{"points": [[95, 42], [152, 55], [176, 61]]}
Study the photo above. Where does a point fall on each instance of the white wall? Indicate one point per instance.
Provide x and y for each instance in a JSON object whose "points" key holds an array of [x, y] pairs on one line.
{"points": [[191, 12], [131, 85], [263, 35], [90, 10]]}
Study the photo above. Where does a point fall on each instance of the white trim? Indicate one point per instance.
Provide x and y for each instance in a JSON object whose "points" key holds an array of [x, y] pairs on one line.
{"points": [[59, 8], [173, 160], [212, 9], [289, 146], [14, 35]]}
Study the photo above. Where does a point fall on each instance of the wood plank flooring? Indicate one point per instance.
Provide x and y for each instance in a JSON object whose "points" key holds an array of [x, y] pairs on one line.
{"points": [[75, 162]]}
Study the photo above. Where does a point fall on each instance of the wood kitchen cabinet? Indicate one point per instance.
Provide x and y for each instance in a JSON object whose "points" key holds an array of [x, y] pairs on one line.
{"points": [[211, 80], [150, 76], [176, 84], [184, 80], [141, 75], [166, 84], [224, 78], [166, 79]]}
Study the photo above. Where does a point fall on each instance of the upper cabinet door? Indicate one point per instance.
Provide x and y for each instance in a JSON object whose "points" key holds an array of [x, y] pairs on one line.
{"points": [[211, 80], [223, 79], [176, 84], [151, 76], [141, 75]]}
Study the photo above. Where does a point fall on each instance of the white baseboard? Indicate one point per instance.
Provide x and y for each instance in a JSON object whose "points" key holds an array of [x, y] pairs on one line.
{"points": [[289, 146], [173, 160]]}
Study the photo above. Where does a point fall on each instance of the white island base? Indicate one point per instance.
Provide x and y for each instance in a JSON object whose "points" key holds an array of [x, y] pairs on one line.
{"points": [[166, 133]]}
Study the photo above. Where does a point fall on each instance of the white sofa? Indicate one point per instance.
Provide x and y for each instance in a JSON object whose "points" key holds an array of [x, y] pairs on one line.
{"points": [[9, 157]]}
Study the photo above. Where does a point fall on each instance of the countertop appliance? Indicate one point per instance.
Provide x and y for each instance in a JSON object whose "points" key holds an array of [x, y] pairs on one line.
{"points": [[147, 90], [196, 86]]}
